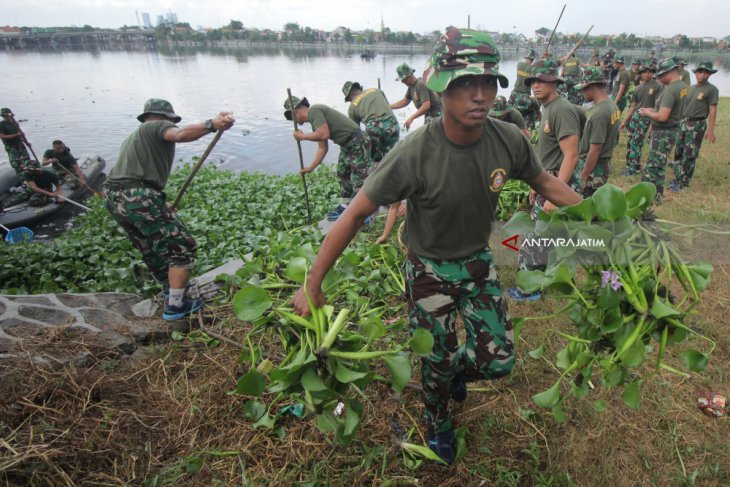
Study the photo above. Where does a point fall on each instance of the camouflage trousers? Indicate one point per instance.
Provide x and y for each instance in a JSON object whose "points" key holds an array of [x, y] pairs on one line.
{"points": [[636, 131], [597, 178], [38, 199], [438, 290], [384, 133], [66, 178], [534, 258], [574, 96], [662, 141], [153, 229], [689, 143], [17, 155], [354, 164]]}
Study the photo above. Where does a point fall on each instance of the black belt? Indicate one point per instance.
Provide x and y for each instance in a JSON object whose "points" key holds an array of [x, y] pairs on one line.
{"points": [[126, 186], [695, 119]]}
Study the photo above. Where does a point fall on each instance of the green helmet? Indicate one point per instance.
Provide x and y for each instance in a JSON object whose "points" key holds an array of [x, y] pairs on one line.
{"points": [[347, 88], [591, 75], [705, 66], [499, 107], [404, 71], [665, 66], [160, 107], [295, 102], [544, 70], [462, 52]]}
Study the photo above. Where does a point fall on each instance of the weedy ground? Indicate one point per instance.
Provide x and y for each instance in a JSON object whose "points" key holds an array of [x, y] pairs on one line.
{"points": [[164, 417]]}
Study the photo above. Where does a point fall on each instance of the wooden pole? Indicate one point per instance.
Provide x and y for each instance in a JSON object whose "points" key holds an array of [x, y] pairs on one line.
{"points": [[301, 159]]}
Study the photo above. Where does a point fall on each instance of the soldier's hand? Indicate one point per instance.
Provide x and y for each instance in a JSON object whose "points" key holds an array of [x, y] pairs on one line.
{"points": [[298, 135], [223, 121], [402, 209], [305, 170], [300, 303], [548, 207], [710, 136], [623, 125], [531, 196], [408, 123]]}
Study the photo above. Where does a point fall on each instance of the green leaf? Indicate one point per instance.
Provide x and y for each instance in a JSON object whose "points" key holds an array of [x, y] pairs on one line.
{"points": [[327, 422], [353, 411], [548, 398], [563, 358], [345, 375], [558, 413], [610, 202], [660, 310], [631, 395], [422, 451], [250, 303], [531, 281], [599, 405], [400, 370], [265, 421], [460, 441], [193, 464], [700, 274], [312, 382], [634, 356], [537, 353], [296, 269], [585, 210], [696, 361], [421, 342], [253, 410], [517, 324], [519, 224], [638, 198], [374, 328], [251, 383]]}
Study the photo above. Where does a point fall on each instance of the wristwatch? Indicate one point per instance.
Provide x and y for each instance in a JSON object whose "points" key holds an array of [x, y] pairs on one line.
{"points": [[209, 125]]}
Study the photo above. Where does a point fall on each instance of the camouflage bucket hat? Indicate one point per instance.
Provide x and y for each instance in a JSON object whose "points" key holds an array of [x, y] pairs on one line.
{"points": [[665, 66], [295, 101], [28, 165], [544, 70], [592, 75], [462, 52], [705, 66], [160, 107], [499, 107], [618, 59], [404, 71], [347, 88], [5, 111], [647, 67]]}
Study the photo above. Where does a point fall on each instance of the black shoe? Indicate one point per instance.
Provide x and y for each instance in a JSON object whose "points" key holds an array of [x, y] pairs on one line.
{"points": [[187, 307], [458, 390], [442, 444]]}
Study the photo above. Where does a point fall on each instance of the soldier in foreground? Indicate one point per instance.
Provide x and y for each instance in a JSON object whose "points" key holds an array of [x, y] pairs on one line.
{"points": [[451, 171]]}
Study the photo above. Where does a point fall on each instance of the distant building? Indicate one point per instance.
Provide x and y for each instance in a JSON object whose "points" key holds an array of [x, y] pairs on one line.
{"points": [[171, 17], [9, 31], [146, 20], [160, 20]]}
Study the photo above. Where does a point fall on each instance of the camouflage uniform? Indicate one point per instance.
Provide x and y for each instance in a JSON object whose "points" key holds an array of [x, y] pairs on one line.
{"points": [[662, 142], [353, 165], [437, 291], [17, 155], [153, 228], [689, 142], [636, 131], [384, 133]]}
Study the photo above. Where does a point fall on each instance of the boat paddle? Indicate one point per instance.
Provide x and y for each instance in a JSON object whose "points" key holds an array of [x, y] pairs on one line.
{"points": [[25, 139], [301, 160]]}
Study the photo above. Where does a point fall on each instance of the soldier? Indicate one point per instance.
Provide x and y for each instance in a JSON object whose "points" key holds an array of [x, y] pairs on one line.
{"points": [[664, 124], [63, 164], [354, 162], [13, 139], [557, 143], [372, 109], [701, 103], [620, 83], [451, 171], [653, 61], [644, 97], [45, 185], [683, 73], [634, 77], [135, 199], [571, 76], [599, 135], [595, 59], [520, 97], [501, 111], [426, 101]]}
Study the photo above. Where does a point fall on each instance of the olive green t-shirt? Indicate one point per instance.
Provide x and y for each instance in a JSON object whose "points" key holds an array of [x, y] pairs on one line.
{"points": [[341, 128], [9, 128], [622, 78], [523, 71], [452, 190], [634, 77], [698, 101], [419, 93], [369, 104], [513, 116], [65, 158], [672, 97], [646, 94], [601, 128], [684, 74], [559, 120], [571, 67], [145, 156]]}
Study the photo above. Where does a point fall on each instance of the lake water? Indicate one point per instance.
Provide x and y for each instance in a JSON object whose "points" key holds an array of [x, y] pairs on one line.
{"points": [[91, 99]]}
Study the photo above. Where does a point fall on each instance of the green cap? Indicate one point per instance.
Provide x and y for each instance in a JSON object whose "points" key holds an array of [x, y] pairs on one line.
{"points": [[158, 106], [498, 107], [404, 71], [592, 75], [544, 70], [666, 65], [531, 54], [462, 52], [705, 66], [347, 88], [5, 111], [295, 102], [618, 59]]}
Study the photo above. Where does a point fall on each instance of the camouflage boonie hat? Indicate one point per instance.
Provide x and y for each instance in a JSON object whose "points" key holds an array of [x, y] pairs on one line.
{"points": [[160, 107], [347, 88], [28, 165], [499, 107], [404, 71], [592, 75], [705, 66], [666, 65], [5, 111], [618, 59], [637, 61], [647, 66], [679, 60], [295, 101], [462, 52], [544, 70], [531, 54]]}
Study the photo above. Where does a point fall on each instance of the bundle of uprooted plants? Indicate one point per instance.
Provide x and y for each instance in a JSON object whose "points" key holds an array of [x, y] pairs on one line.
{"points": [[627, 291]]}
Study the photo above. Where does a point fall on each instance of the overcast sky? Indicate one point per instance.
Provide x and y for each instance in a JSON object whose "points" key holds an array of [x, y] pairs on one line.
{"points": [[642, 17]]}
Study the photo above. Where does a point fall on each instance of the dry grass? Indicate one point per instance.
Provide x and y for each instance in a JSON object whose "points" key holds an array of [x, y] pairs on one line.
{"points": [[150, 420]]}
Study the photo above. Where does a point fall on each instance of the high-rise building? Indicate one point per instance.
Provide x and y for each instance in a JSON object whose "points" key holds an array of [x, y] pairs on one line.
{"points": [[146, 20], [171, 17], [160, 20]]}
